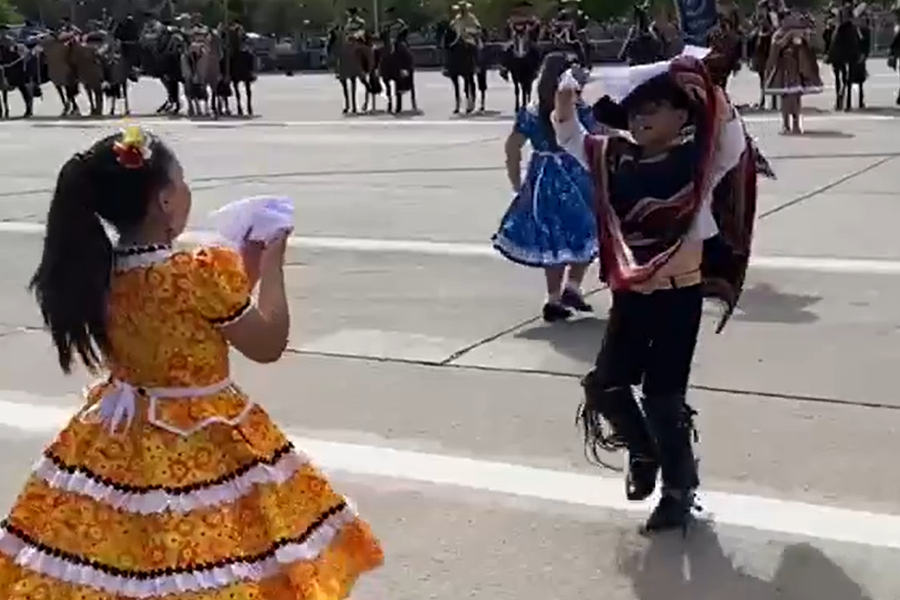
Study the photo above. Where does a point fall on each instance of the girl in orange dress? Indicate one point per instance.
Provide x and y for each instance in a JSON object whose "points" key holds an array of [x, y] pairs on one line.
{"points": [[170, 482]]}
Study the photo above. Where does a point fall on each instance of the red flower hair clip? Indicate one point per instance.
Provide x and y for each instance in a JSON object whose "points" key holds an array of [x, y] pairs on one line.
{"points": [[132, 149]]}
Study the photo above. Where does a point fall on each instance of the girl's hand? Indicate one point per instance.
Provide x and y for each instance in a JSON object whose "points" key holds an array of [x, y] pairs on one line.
{"points": [[251, 253], [565, 103], [273, 254]]}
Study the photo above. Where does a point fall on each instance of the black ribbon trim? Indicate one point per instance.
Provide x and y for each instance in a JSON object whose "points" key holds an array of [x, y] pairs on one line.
{"points": [[234, 315], [170, 571], [175, 491]]}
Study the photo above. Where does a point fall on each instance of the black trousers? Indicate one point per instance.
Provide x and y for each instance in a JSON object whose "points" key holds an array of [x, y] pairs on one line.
{"points": [[650, 341]]}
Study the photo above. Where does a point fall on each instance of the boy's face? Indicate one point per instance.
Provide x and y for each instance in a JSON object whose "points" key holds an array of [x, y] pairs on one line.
{"points": [[655, 123]]}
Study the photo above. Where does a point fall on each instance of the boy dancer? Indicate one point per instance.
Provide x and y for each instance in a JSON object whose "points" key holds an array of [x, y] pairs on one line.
{"points": [[675, 203]]}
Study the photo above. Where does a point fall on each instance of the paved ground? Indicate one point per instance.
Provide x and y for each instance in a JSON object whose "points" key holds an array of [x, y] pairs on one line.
{"points": [[409, 335]]}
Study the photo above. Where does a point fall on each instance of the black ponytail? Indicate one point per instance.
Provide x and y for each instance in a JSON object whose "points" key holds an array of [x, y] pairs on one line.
{"points": [[553, 67], [71, 284]]}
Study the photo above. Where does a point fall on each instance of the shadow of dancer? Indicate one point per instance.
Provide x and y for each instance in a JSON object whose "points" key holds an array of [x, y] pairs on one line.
{"points": [[696, 568]]}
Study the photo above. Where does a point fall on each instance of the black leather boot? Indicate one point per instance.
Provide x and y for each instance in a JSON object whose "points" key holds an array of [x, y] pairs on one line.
{"points": [[672, 422], [611, 419]]}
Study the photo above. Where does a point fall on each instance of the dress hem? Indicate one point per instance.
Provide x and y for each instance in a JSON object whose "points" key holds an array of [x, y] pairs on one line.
{"points": [[530, 258]]}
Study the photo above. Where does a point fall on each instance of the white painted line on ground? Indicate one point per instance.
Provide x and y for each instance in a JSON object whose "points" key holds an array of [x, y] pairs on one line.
{"points": [[860, 266], [755, 512], [351, 122]]}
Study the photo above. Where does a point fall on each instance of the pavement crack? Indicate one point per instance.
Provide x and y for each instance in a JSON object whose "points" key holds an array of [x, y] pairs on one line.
{"points": [[824, 188], [446, 364], [504, 332]]}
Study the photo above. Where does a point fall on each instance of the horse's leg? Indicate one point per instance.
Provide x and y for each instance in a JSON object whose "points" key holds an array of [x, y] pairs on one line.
{"points": [[353, 96], [28, 97], [455, 81], [398, 95], [837, 86], [412, 92], [125, 97], [248, 91], [346, 95], [62, 98], [4, 103], [481, 77], [862, 96], [238, 104], [469, 89], [516, 87], [387, 95]]}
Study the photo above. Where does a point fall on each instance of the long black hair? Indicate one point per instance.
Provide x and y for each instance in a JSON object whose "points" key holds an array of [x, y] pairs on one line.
{"points": [[554, 65], [71, 283]]}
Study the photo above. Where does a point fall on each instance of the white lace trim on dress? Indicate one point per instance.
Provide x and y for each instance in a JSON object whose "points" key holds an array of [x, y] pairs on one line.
{"points": [[30, 557], [158, 501]]}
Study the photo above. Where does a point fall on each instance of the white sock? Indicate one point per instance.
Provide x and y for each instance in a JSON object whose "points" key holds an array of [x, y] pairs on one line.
{"points": [[554, 298], [574, 287]]}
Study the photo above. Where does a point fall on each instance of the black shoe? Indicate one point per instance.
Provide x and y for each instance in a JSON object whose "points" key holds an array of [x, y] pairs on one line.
{"points": [[640, 479], [611, 420], [675, 510], [556, 312], [575, 301]]}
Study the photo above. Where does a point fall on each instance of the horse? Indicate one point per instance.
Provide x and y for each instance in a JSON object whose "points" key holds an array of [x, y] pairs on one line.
{"points": [[85, 57], [846, 49], [240, 66], [462, 60], [202, 74], [397, 71], [117, 71], [14, 75], [564, 37], [58, 51], [355, 62], [162, 59], [726, 43], [643, 45], [522, 61]]}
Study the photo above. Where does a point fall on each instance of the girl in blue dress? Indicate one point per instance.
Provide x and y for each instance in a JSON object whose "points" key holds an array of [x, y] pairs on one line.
{"points": [[550, 222]]}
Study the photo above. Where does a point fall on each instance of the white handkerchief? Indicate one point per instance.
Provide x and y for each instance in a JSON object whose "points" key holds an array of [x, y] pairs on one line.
{"points": [[258, 219]]}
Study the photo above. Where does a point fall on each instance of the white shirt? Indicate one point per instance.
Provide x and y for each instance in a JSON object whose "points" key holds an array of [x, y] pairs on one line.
{"points": [[730, 145]]}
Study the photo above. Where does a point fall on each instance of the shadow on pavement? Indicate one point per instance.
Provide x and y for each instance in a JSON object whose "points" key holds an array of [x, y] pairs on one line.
{"points": [[696, 568], [762, 303], [578, 339]]}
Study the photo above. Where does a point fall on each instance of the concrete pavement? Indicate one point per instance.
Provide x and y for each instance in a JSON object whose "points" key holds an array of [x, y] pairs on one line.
{"points": [[408, 335]]}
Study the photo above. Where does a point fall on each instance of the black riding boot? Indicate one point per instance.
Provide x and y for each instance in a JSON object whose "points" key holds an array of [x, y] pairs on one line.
{"points": [[672, 422], [627, 429]]}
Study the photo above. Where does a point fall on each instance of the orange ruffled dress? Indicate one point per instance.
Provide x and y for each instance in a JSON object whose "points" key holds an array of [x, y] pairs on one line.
{"points": [[171, 482]]}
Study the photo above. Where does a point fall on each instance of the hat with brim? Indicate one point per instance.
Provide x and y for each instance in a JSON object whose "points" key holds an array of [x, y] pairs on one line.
{"points": [[461, 5], [353, 10], [619, 82]]}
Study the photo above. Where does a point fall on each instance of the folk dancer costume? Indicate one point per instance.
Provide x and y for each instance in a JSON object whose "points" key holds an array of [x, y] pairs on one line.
{"points": [[170, 482], [792, 69], [523, 31], [673, 228], [550, 221], [894, 54]]}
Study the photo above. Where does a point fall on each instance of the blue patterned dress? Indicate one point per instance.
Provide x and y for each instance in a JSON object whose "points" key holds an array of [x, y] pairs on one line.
{"points": [[551, 220]]}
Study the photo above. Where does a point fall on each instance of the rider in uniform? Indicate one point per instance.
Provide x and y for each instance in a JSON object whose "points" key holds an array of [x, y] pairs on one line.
{"points": [[128, 34], [394, 28], [355, 26], [521, 23], [568, 30], [466, 24]]}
